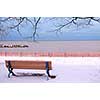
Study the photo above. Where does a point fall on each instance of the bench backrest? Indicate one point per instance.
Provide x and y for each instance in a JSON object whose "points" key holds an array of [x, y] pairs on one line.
{"points": [[29, 64]]}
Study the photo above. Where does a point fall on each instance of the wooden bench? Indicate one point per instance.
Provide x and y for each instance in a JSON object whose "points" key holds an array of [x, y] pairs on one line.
{"points": [[37, 65]]}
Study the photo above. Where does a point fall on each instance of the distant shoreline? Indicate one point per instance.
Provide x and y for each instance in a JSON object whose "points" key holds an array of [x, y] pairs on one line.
{"points": [[53, 46]]}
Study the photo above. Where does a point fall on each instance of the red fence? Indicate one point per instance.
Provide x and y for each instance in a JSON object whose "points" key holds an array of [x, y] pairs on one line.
{"points": [[52, 54]]}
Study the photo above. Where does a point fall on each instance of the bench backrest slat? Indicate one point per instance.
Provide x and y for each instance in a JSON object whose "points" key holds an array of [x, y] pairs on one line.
{"points": [[30, 65]]}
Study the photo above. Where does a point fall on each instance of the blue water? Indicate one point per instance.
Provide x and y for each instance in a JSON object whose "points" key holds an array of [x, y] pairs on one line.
{"points": [[55, 37]]}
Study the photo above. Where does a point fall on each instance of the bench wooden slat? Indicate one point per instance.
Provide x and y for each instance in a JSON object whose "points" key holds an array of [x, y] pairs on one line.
{"points": [[30, 65]]}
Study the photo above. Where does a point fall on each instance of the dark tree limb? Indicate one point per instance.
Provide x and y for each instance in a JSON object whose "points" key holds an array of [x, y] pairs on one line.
{"points": [[5, 19], [35, 27], [76, 21], [65, 22], [17, 25]]}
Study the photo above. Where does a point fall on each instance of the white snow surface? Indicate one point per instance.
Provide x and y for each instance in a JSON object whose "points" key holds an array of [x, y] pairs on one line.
{"points": [[66, 69]]}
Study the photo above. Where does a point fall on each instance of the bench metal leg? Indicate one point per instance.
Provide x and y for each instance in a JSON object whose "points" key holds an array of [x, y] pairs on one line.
{"points": [[47, 70], [10, 69], [48, 73]]}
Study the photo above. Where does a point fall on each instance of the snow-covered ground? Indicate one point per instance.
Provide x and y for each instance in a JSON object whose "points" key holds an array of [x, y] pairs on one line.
{"points": [[66, 69]]}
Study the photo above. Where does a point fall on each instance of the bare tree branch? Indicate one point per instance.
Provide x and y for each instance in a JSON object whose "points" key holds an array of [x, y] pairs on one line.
{"points": [[15, 23], [77, 21], [20, 21], [30, 21], [35, 27], [5, 19]]}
